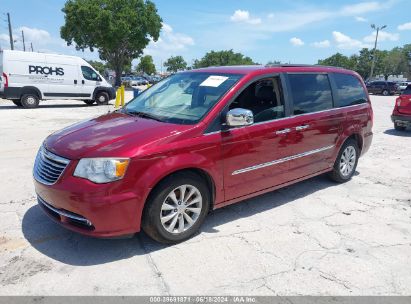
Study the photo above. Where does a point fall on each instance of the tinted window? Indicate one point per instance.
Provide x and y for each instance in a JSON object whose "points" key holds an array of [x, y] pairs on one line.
{"points": [[311, 93], [89, 73], [349, 90]]}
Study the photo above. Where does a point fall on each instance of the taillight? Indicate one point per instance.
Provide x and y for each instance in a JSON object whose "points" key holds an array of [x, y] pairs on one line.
{"points": [[398, 101], [6, 80]]}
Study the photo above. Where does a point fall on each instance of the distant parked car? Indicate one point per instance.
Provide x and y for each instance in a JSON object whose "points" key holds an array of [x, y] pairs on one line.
{"points": [[138, 80], [401, 115], [382, 87], [401, 86]]}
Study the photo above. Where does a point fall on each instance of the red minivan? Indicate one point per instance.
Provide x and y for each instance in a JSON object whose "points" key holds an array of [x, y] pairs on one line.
{"points": [[200, 140], [401, 115]]}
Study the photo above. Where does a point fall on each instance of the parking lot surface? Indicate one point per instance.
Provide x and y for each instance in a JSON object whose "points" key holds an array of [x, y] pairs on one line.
{"points": [[313, 238]]}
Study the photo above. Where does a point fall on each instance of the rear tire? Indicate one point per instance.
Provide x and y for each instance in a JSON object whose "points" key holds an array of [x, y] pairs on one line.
{"points": [[17, 103], [88, 102], [398, 127], [346, 162], [176, 208], [385, 93], [29, 101], [102, 98]]}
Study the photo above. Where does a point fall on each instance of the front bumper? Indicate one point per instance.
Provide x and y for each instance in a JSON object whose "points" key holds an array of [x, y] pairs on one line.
{"points": [[101, 210]]}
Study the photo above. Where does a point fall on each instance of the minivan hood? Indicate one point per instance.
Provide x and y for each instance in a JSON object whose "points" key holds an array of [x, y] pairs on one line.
{"points": [[112, 135]]}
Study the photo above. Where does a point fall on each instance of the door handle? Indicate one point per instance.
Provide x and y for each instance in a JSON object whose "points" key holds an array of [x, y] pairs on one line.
{"points": [[283, 131], [82, 82], [303, 127], [75, 81]]}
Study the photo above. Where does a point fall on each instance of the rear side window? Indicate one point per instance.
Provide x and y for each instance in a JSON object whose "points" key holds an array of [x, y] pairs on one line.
{"points": [[311, 93], [349, 90]]}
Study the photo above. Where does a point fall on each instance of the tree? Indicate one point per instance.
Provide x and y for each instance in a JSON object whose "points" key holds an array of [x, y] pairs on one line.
{"points": [[118, 29], [97, 65], [274, 62], [175, 64], [146, 65], [221, 58], [337, 60]]}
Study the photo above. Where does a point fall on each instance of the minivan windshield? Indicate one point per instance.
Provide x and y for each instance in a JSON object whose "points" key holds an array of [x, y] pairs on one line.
{"points": [[183, 98]]}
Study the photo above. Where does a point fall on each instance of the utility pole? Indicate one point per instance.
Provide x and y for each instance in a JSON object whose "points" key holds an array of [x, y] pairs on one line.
{"points": [[10, 32], [375, 47], [24, 44], [31, 44]]}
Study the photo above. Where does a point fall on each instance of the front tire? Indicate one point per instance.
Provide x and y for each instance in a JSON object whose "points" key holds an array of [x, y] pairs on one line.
{"points": [[346, 162], [29, 101], [176, 208], [102, 98]]}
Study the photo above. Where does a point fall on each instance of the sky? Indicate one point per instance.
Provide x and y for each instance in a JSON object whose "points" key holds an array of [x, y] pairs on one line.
{"points": [[297, 31]]}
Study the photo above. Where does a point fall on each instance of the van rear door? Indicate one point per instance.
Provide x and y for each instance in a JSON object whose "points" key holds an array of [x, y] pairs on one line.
{"points": [[64, 78]]}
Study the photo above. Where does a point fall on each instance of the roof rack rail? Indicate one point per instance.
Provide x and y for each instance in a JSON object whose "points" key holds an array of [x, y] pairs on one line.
{"points": [[296, 65]]}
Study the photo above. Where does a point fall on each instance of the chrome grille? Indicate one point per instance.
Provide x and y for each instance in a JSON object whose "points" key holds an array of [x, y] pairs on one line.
{"points": [[48, 167]]}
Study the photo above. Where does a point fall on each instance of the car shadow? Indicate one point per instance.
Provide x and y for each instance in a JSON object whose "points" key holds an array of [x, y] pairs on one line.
{"points": [[72, 248], [405, 133]]}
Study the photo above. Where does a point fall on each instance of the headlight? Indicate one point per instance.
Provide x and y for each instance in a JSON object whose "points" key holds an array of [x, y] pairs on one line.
{"points": [[102, 170]]}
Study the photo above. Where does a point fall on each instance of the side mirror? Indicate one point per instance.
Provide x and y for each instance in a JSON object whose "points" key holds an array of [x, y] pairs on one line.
{"points": [[239, 117]]}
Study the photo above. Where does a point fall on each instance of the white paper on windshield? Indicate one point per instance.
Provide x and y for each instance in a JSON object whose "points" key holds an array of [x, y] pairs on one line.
{"points": [[213, 81]]}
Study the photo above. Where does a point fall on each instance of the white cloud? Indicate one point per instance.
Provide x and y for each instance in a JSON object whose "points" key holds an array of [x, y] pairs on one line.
{"points": [[321, 44], [405, 26], [346, 42], [169, 43], [360, 19], [296, 41], [244, 16], [34, 35], [382, 36], [361, 8]]}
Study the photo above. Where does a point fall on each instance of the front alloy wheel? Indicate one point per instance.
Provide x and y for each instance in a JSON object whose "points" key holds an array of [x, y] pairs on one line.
{"points": [[176, 208], [181, 209]]}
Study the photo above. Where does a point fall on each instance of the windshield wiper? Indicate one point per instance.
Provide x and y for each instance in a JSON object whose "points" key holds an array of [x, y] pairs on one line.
{"points": [[144, 115]]}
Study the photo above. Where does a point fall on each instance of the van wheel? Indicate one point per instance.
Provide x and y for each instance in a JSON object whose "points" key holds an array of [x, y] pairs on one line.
{"points": [[102, 98], [88, 102], [398, 127], [346, 162], [176, 208], [385, 93], [29, 101], [17, 103]]}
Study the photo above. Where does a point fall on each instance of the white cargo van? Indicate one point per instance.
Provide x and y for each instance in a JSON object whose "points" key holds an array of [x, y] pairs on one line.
{"points": [[29, 77]]}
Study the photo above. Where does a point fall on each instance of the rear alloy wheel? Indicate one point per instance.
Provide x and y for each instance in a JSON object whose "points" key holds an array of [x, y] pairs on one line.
{"points": [[176, 208], [29, 101], [88, 102], [346, 162], [102, 98], [385, 93], [398, 127]]}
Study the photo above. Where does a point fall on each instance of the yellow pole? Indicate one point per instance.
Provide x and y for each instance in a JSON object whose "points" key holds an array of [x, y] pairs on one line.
{"points": [[117, 104], [122, 96]]}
